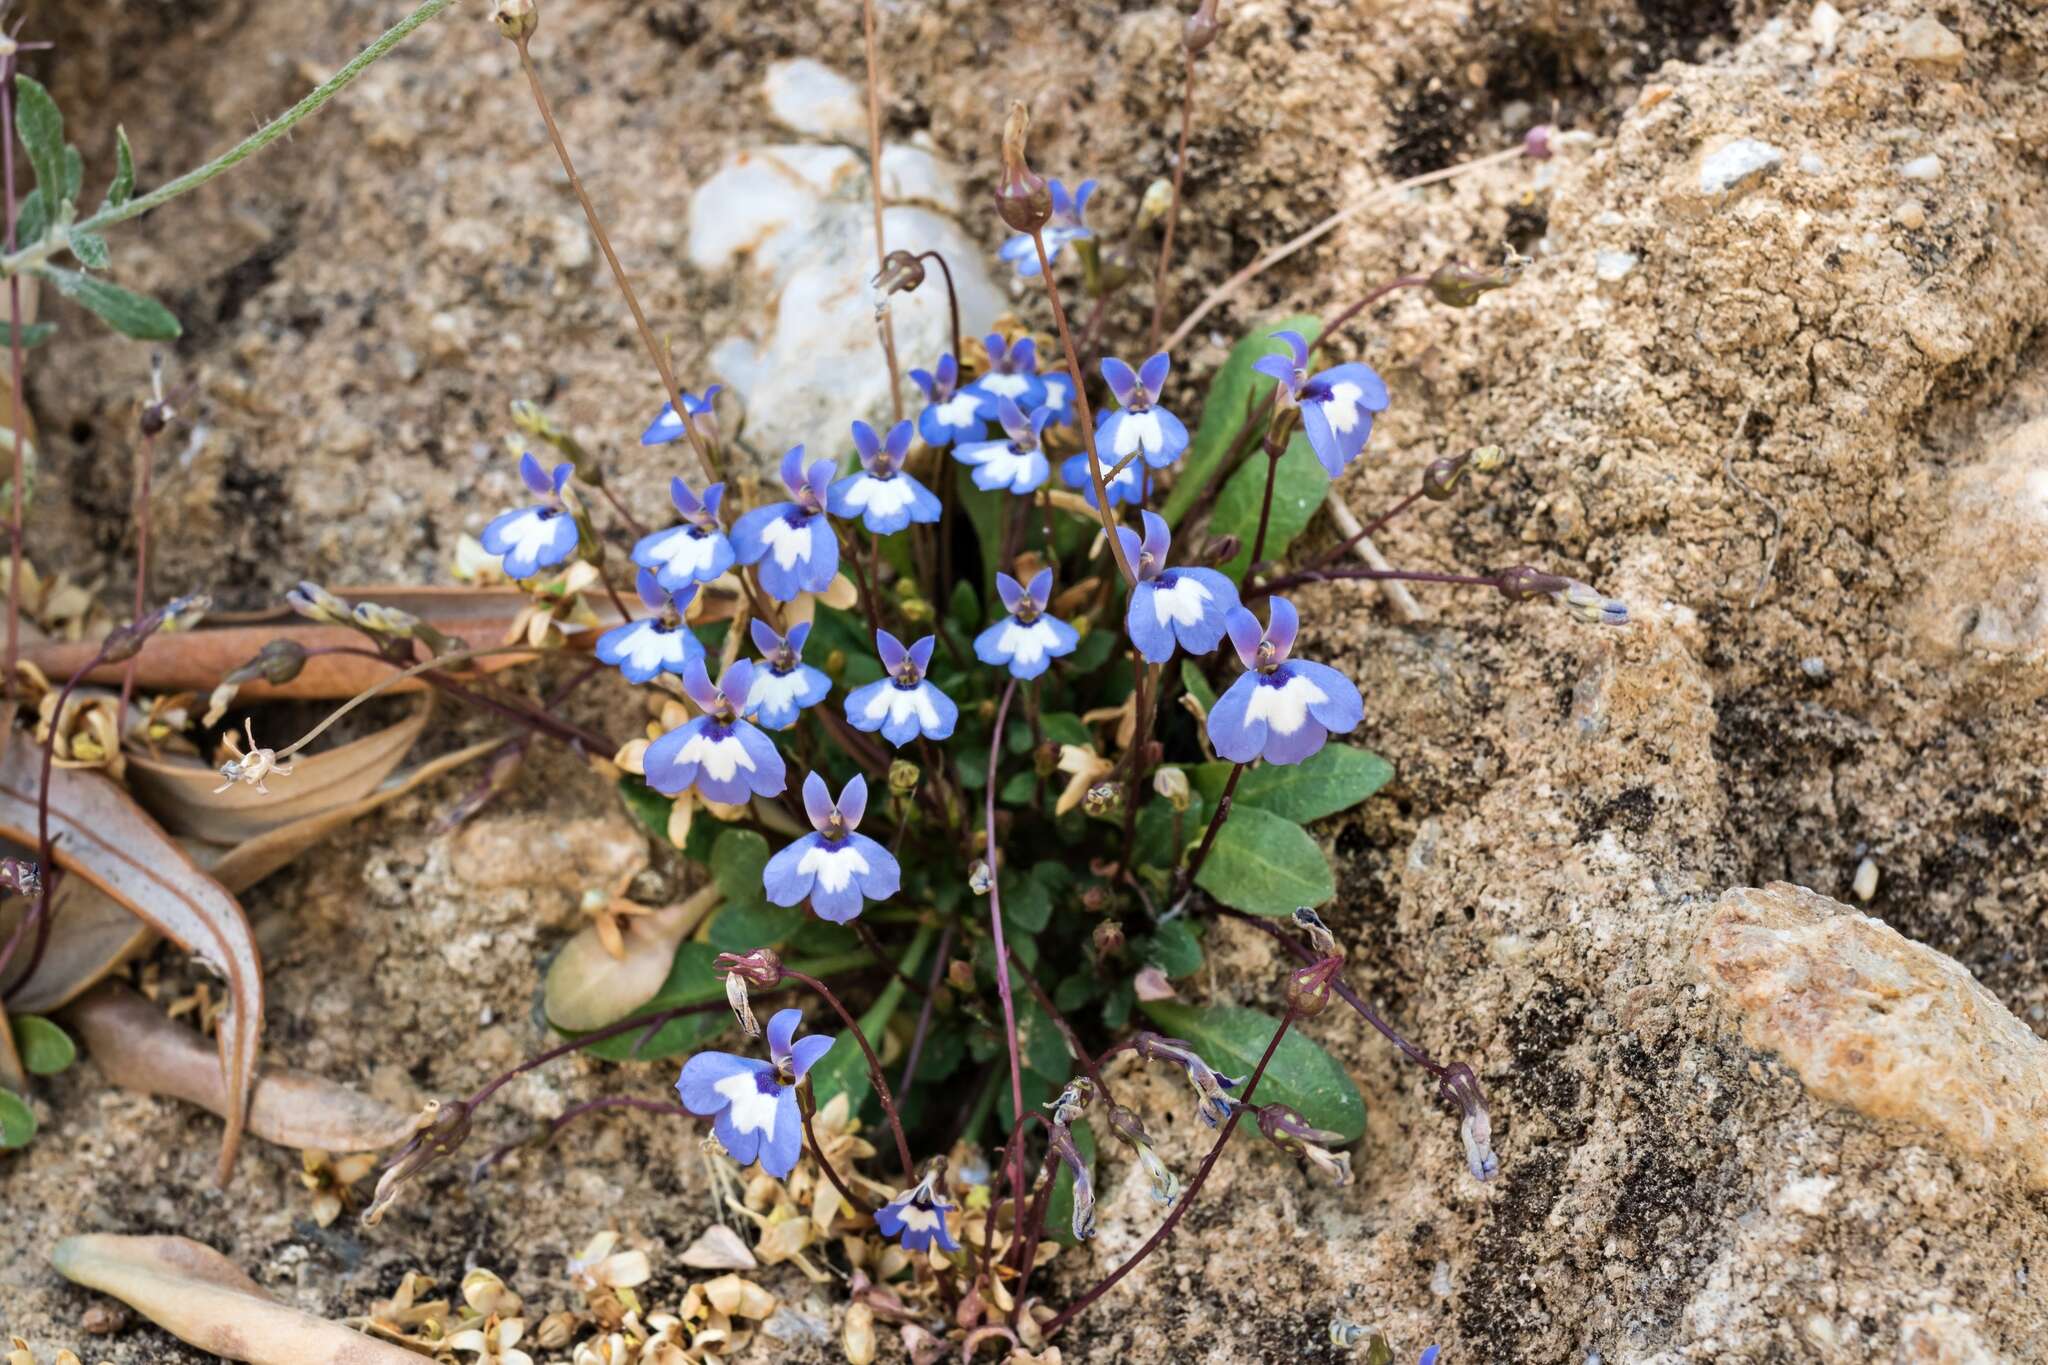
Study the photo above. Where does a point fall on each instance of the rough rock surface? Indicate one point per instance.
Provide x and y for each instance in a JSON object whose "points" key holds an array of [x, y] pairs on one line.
{"points": [[1769, 435]]}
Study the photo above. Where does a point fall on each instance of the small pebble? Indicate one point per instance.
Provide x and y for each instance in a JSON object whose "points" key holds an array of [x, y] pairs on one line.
{"points": [[1925, 40], [1813, 666], [1922, 168], [1825, 24], [1743, 159], [1910, 215], [1865, 885], [1812, 164], [1612, 266]]}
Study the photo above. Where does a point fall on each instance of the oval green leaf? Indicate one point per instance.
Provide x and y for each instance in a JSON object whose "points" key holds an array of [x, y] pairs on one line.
{"points": [[1237, 390], [1301, 1074], [1265, 865], [1299, 486], [1334, 779], [17, 1121], [45, 1048]]}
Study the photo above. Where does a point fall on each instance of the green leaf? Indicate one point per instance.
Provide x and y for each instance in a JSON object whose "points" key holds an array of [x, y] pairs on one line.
{"points": [[17, 1120], [1265, 865], [985, 512], [1198, 686], [1173, 949], [33, 335], [1236, 390], [1301, 1074], [123, 186], [74, 173], [1020, 788], [736, 862], [1332, 780], [691, 981], [832, 629], [91, 250], [1155, 847], [648, 806], [1299, 487], [41, 129], [32, 221], [1093, 651], [1064, 727], [741, 928], [45, 1048], [966, 608], [1040, 1042], [1027, 904], [1059, 1210], [127, 312], [822, 938]]}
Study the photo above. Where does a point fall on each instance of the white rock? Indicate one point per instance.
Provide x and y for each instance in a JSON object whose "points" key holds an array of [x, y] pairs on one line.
{"points": [[1811, 163], [809, 97], [1922, 168], [1825, 24], [1730, 165], [1926, 41], [1865, 885], [1910, 215], [1613, 266]]}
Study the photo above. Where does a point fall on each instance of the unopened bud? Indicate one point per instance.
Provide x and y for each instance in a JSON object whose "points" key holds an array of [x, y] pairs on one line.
{"points": [[1538, 142], [762, 967], [1460, 286], [742, 1010], [1308, 988], [1487, 459], [279, 661], [1460, 1089], [556, 1330], [1022, 198], [157, 415], [915, 609], [835, 664], [903, 776], [383, 620], [1157, 200], [1172, 783], [979, 877], [960, 974], [1202, 27], [1045, 758], [1222, 549], [1587, 603], [1440, 477], [311, 600], [1523, 582], [516, 19], [180, 613], [1109, 939], [901, 273], [1095, 899]]}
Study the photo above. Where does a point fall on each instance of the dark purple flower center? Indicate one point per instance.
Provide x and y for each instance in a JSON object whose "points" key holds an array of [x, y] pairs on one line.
{"points": [[769, 1082], [882, 466], [1027, 610], [908, 675], [1273, 673], [1317, 392]]}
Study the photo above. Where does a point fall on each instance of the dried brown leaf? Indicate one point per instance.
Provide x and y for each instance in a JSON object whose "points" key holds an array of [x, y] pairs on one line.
{"points": [[105, 840], [91, 936], [199, 1296], [588, 988], [137, 1047]]}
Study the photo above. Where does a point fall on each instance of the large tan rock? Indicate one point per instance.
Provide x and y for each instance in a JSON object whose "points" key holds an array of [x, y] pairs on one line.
{"points": [[1872, 1020]]}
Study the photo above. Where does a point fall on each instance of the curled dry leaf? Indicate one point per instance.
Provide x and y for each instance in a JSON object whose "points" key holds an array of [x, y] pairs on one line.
{"points": [[587, 988], [105, 840], [718, 1247], [138, 1048], [183, 793], [199, 1296]]}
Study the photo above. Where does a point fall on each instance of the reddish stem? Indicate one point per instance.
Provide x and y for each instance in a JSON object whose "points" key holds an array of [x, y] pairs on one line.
{"points": [[875, 1075], [995, 919]]}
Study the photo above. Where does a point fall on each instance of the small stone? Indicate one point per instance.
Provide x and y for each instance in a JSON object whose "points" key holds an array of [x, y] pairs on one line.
{"points": [[1825, 24], [1611, 267], [1872, 1020], [1922, 168], [809, 97], [1813, 666], [1910, 215], [1739, 161], [1865, 885], [1927, 42], [1811, 164]]}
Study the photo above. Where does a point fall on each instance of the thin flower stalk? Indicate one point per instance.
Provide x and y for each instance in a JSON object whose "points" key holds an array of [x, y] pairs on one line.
{"points": [[1102, 504], [887, 321], [881, 1082]]}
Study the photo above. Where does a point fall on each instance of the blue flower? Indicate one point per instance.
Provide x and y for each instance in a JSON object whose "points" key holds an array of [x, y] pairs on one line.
{"points": [[792, 542], [1171, 606], [754, 1102], [882, 495], [950, 412], [836, 869], [1428, 1356], [1012, 374], [537, 537], [903, 705], [1336, 404], [660, 643], [1016, 463], [666, 426], [1279, 709], [784, 685], [1059, 395], [696, 551], [1139, 426], [917, 1217], [1027, 640], [725, 758], [1067, 224], [1134, 484]]}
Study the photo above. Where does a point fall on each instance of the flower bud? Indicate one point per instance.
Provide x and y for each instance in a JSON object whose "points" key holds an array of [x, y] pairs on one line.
{"points": [[1286, 1129], [1109, 939], [761, 968], [1538, 144], [1522, 582], [1104, 799], [555, 1330], [314, 602], [1222, 549], [1308, 988], [979, 877], [1158, 198], [915, 609], [1487, 459], [1022, 198], [1202, 27], [383, 620], [516, 19], [960, 975], [903, 776], [1586, 603], [180, 613], [1440, 478], [1460, 286], [742, 1009], [1460, 1088], [279, 661], [1045, 759], [1172, 783], [901, 273], [1095, 899]]}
